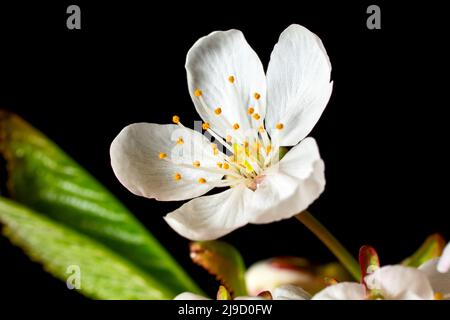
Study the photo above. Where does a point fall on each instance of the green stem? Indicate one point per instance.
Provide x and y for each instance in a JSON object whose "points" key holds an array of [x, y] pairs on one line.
{"points": [[331, 242]]}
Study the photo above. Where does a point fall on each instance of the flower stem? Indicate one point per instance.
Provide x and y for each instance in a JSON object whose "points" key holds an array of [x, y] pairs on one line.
{"points": [[331, 242]]}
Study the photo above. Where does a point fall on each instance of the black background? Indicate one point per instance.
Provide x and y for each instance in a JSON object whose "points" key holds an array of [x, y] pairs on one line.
{"points": [[383, 136]]}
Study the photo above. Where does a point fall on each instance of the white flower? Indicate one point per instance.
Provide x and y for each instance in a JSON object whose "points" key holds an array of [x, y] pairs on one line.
{"points": [[286, 292], [444, 262], [394, 283], [438, 273], [251, 114]]}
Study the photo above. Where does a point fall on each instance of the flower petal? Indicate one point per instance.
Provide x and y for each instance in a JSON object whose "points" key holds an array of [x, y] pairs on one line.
{"points": [[135, 158], [290, 292], [210, 217], [342, 291], [444, 262], [440, 282], [298, 84], [189, 296], [401, 283], [210, 63], [289, 187]]}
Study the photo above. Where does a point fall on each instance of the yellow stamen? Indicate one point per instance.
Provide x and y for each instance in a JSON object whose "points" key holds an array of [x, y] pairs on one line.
{"points": [[245, 144], [219, 164], [268, 149], [279, 126], [235, 151], [257, 145], [196, 163], [205, 126], [176, 119], [248, 166], [256, 116], [235, 126], [218, 111], [162, 155], [251, 110], [256, 95], [226, 166], [198, 93], [261, 129], [438, 296], [180, 140], [202, 180], [177, 176], [231, 79]]}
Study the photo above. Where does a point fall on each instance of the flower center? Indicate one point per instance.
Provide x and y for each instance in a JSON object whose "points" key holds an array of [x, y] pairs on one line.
{"points": [[248, 153]]}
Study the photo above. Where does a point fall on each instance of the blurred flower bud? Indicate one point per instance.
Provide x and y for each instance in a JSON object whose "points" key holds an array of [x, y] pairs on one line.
{"points": [[268, 274]]}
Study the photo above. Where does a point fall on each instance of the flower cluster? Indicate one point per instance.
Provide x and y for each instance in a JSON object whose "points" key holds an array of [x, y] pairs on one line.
{"points": [[430, 281]]}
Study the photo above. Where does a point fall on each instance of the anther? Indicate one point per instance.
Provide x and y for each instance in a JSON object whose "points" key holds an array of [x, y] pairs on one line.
{"points": [[177, 176], [235, 126], [226, 166], [231, 79], [202, 180], [198, 93], [176, 119], [438, 296], [218, 111], [229, 138], [205, 126], [180, 140], [219, 164], [251, 110], [256, 95], [162, 155], [268, 149], [279, 126], [196, 163], [256, 116], [261, 129]]}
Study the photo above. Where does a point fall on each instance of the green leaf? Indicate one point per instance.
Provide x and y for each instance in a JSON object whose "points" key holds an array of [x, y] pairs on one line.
{"points": [[45, 179], [103, 274], [431, 248], [222, 260]]}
